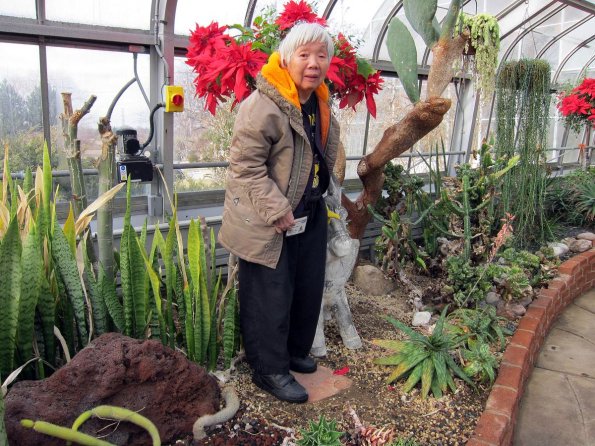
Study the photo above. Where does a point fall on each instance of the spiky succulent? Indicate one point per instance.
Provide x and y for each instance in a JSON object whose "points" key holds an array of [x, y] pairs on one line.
{"points": [[323, 433], [425, 358]]}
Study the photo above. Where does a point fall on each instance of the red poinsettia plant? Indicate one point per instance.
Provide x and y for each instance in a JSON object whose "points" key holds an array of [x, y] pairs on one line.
{"points": [[578, 105], [226, 66]]}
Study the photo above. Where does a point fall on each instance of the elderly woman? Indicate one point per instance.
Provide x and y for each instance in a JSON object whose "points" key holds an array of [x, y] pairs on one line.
{"points": [[283, 149]]}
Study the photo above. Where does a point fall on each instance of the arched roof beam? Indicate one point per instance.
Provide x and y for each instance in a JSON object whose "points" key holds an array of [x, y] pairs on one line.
{"points": [[583, 44], [250, 13], [562, 34], [384, 29], [329, 8]]}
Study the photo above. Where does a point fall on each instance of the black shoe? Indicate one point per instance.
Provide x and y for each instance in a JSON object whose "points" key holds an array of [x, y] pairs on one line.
{"points": [[283, 387], [302, 365]]}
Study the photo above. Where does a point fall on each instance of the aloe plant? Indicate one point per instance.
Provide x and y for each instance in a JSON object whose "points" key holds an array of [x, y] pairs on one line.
{"points": [[423, 358]]}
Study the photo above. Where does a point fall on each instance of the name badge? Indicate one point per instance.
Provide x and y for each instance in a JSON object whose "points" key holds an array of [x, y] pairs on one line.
{"points": [[298, 227]]}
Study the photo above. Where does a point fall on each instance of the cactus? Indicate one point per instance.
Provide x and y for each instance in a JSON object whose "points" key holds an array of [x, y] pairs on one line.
{"points": [[403, 55], [421, 17]]}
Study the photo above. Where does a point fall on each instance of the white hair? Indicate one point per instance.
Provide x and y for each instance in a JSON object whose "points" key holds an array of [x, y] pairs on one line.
{"points": [[302, 34]]}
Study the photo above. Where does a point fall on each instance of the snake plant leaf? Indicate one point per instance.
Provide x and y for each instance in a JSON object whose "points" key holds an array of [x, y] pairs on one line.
{"points": [[47, 177], [98, 306], [403, 55], [87, 215], [32, 273], [68, 229], [107, 292], [10, 284], [156, 291], [421, 15], [66, 265], [46, 306], [230, 327], [170, 284], [137, 276]]}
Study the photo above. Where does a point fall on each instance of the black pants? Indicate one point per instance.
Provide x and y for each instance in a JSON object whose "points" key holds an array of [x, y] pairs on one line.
{"points": [[279, 307]]}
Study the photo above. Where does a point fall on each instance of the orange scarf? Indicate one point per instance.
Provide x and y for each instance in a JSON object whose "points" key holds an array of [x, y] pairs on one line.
{"points": [[279, 77]]}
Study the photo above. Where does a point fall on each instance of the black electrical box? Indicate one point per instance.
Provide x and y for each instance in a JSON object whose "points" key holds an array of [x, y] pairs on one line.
{"points": [[138, 168], [131, 163]]}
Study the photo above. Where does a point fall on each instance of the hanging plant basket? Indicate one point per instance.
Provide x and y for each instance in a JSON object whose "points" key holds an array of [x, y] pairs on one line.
{"points": [[483, 46], [525, 74]]}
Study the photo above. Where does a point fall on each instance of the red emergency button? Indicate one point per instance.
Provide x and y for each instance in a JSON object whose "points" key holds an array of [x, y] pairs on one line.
{"points": [[177, 100]]}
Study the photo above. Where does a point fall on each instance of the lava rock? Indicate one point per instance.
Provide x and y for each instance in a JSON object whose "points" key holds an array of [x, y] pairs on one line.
{"points": [[144, 376]]}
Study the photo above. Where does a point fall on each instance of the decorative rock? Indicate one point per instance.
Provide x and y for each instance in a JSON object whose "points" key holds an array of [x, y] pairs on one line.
{"points": [[559, 248], [143, 376], [421, 318], [586, 236], [371, 280], [517, 309], [580, 245], [492, 298], [525, 301]]}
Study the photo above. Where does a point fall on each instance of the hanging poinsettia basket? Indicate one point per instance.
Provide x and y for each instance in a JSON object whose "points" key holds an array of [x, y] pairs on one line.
{"points": [[226, 65]]}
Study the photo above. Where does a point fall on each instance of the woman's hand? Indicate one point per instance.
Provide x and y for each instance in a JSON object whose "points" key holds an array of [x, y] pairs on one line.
{"points": [[284, 223]]}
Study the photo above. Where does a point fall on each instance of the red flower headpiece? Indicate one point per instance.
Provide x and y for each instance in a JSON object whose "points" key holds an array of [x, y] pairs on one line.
{"points": [[227, 66]]}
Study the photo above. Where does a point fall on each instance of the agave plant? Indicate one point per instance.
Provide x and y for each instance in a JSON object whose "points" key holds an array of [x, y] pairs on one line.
{"points": [[480, 362], [425, 358], [585, 201]]}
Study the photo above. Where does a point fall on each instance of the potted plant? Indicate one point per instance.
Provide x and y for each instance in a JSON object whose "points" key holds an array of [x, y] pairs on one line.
{"points": [[577, 107], [483, 45]]}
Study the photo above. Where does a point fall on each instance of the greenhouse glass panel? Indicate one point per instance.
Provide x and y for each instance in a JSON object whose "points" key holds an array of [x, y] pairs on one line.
{"points": [[189, 13], [101, 73], [21, 8], [20, 105], [200, 137], [361, 22], [134, 14]]}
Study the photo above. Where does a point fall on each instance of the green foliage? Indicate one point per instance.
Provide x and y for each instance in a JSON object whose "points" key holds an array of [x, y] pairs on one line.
{"points": [[585, 201], [480, 325], [424, 358], [480, 362], [570, 198], [323, 433], [465, 281], [403, 55], [484, 35], [421, 16], [522, 109]]}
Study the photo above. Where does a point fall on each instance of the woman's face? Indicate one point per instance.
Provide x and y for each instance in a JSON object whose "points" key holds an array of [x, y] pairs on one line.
{"points": [[307, 67]]}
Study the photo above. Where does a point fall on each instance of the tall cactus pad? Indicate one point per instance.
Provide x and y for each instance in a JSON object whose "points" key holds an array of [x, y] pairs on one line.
{"points": [[403, 55], [421, 17]]}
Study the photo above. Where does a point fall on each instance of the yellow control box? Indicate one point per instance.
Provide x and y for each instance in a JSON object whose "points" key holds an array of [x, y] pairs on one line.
{"points": [[174, 98]]}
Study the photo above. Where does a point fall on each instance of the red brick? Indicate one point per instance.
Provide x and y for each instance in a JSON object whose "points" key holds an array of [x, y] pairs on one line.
{"points": [[529, 324], [557, 284], [536, 313], [522, 338], [570, 266], [510, 376], [503, 400], [515, 355], [492, 428], [549, 292], [544, 302]]}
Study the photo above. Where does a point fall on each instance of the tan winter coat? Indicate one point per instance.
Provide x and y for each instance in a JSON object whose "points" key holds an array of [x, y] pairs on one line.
{"points": [[270, 163]]}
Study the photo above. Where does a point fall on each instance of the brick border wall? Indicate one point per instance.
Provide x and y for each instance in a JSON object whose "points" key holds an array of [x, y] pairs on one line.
{"points": [[496, 424]]}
